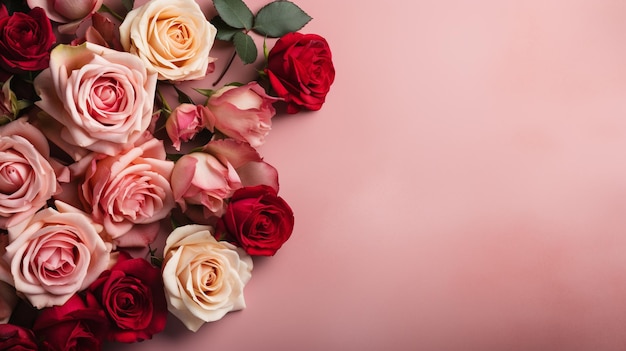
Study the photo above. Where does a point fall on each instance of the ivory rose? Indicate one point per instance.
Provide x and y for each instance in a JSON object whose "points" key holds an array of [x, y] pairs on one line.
{"points": [[99, 99], [55, 254], [201, 181], [243, 113], [172, 37], [27, 179], [129, 193], [70, 13], [185, 122], [203, 278]]}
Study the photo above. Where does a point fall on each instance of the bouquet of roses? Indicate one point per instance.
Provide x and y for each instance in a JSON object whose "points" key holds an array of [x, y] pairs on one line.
{"points": [[96, 165]]}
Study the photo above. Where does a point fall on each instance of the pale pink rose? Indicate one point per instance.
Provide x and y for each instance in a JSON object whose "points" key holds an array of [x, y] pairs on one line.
{"points": [[203, 278], [55, 254], [70, 13], [243, 113], [172, 37], [98, 99], [202, 181], [185, 122], [27, 179], [103, 32], [130, 193]]}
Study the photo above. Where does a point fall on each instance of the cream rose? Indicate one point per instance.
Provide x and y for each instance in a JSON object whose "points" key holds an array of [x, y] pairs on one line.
{"points": [[55, 254], [130, 193], [172, 37], [203, 278], [27, 179], [99, 99]]}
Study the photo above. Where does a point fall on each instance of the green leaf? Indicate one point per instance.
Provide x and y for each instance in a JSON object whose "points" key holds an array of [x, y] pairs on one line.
{"points": [[182, 97], [279, 18], [245, 47], [128, 4], [205, 92], [266, 52], [224, 31], [235, 13]]}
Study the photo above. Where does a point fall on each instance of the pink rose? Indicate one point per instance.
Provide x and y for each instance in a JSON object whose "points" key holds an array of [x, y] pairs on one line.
{"points": [[99, 99], [201, 181], [55, 254], [130, 193], [185, 122], [243, 113], [102, 32], [27, 180], [69, 12]]}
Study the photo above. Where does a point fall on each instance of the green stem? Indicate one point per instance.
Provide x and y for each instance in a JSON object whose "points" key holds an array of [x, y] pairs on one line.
{"points": [[230, 62], [166, 106]]}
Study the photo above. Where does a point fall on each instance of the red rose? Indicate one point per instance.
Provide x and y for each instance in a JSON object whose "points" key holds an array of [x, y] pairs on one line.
{"points": [[15, 338], [258, 219], [132, 296], [25, 40], [79, 324], [300, 70]]}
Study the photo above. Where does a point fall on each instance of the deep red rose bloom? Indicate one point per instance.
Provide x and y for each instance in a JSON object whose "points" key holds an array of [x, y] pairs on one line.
{"points": [[79, 324], [25, 40], [257, 219], [132, 296], [300, 70], [16, 338]]}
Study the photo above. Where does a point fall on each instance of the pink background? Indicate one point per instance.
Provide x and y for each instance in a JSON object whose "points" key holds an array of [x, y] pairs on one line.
{"points": [[463, 188]]}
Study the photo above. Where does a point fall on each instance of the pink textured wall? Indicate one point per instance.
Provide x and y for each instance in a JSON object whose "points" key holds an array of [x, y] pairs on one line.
{"points": [[463, 188]]}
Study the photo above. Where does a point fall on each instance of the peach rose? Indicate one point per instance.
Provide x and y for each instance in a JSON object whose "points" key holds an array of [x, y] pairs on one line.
{"points": [[99, 99], [203, 278], [130, 193], [243, 113], [27, 179], [172, 37], [69, 12], [185, 122], [55, 254]]}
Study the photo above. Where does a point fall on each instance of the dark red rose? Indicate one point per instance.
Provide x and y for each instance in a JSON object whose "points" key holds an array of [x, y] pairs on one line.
{"points": [[16, 338], [132, 296], [257, 220], [25, 40], [79, 324], [300, 70]]}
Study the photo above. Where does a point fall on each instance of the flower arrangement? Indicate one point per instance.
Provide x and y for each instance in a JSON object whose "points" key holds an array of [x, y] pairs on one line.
{"points": [[96, 165]]}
